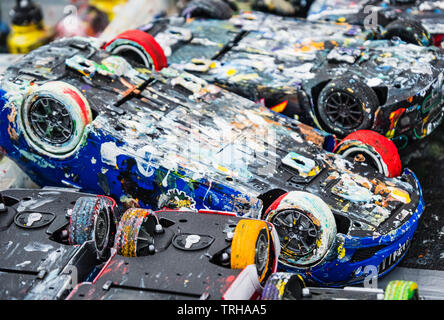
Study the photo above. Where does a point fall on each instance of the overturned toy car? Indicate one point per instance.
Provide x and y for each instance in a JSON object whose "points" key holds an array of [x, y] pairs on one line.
{"points": [[218, 256], [411, 20], [74, 115], [288, 286], [323, 73], [48, 241], [53, 239]]}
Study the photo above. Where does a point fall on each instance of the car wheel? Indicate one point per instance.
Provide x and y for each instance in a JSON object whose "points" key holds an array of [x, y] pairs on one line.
{"points": [[283, 286], [375, 150], [306, 228], [104, 232], [251, 245], [132, 240], [83, 219], [211, 9], [53, 118], [140, 47], [346, 105], [409, 31], [401, 290]]}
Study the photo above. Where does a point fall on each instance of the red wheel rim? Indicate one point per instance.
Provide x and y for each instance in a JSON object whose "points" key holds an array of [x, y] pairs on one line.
{"points": [[148, 43]]}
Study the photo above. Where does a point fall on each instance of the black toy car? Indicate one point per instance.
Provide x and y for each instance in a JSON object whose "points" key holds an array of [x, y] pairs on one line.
{"points": [[185, 255], [324, 73], [48, 241], [411, 20]]}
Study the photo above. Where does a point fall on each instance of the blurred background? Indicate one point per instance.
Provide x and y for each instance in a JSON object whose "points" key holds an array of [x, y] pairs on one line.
{"points": [[27, 24], [52, 9]]}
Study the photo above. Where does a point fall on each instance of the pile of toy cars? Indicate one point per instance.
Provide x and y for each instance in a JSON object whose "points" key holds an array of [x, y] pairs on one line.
{"points": [[259, 151]]}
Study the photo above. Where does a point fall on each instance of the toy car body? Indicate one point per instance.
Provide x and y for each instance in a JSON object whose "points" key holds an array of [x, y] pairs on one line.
{"points": [[190, 255], [74, 115], [323, 73], [429, 13], [39, 258]]}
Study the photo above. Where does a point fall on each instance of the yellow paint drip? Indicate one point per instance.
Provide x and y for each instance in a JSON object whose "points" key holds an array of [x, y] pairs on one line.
{"points": [[390, 134], [223, 169], [231, 72], [314, 171], [341, 251], [281, 286], [400, 195]]}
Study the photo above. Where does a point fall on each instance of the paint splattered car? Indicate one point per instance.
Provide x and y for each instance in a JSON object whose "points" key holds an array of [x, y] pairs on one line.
{"points": [[46, 241], [290, 286], [326, 74], [411, 20], [185, 255], [218, 9], [74, 115]]}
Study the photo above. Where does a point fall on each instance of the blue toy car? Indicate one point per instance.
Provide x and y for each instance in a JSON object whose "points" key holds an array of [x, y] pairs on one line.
{"points": [[71, 114]]}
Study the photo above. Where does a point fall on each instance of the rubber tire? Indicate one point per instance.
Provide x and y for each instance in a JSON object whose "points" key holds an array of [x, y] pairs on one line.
{"points": [[363, 93], [311, 205], [128, 231], [243, 245], [383, 150], [81, 224], [103, 249], [210, 9], [142, 44], [409, 31], [283, 286], [74, 102], [401, 290]]}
